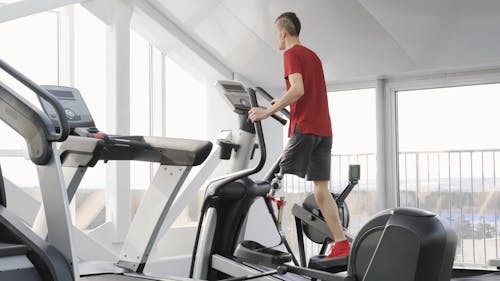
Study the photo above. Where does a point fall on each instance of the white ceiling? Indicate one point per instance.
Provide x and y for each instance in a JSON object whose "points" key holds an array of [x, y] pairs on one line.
{"points": [[356, 39]]}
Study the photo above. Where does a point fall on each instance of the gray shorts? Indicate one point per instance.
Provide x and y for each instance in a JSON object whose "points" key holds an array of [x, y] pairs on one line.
{"points": [[307, 154]]}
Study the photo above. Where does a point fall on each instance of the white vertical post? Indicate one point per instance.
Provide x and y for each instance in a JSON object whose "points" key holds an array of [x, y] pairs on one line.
{"points": [[386, 147], [392, 160], [156, 97], [66, 46], [157, 64], [118, 114], [381, 144], [163, 96], [66, 58]]}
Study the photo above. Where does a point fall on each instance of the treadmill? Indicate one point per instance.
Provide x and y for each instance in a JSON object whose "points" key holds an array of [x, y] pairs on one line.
{"points": [[67, 121], [87, 145]]}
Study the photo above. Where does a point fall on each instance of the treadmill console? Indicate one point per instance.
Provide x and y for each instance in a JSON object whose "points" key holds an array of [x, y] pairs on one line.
{"points": [[72, 101], [235, 94]]}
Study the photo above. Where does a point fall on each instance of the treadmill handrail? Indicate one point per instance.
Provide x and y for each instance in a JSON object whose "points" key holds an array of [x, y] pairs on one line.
{"points": [[39, 91]]}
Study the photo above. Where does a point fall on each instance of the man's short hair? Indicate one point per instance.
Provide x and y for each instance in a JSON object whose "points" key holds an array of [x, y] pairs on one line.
{"points": [[290, 22]]}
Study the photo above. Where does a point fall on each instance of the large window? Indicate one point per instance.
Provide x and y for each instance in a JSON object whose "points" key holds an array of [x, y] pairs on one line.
{"points": [[185, 103], [40, 64], [449, 150], [185, 107], [90, 79], [354, 142], [90, 63]]}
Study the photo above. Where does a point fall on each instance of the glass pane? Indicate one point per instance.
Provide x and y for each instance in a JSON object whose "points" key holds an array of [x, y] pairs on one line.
{"points": [[90, 79], [447, 162], [185, 103], [38, 63], [90, 63], [185, 106]]}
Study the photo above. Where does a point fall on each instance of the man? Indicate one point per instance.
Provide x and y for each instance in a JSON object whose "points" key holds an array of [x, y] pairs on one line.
{"points": [[308, 152]]}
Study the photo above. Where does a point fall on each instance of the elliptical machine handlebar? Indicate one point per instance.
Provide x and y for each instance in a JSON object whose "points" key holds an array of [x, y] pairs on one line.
{"points": [[260, 135], [269, 98], [280, 119]]}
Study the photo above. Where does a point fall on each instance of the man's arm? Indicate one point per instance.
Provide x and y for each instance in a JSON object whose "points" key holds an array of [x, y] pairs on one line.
{"points": [[293, 94]]}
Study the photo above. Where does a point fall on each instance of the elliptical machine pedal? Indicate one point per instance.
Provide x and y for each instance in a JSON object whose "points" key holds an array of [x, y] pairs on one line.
{"points": [[255, 252], [310, 221]]}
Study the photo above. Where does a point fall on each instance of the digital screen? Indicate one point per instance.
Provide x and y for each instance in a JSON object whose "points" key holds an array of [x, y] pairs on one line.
{"points": [[62, 94], [233, 88]]}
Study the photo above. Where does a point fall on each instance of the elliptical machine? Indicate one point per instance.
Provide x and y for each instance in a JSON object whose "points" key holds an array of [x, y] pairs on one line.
{"points": [[399, 244], [218, 232]]}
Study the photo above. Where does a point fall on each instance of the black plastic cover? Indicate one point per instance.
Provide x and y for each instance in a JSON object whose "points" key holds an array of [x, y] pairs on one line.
{"points": [[3, 198], [332, 265], [403, 244], [255, 252]]}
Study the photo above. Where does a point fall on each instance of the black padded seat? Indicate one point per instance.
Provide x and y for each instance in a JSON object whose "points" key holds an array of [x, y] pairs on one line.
{"points": [[178, 152]]}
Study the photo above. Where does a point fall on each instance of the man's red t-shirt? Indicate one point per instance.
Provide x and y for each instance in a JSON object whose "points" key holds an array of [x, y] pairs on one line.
{"points": [[310, 113]]}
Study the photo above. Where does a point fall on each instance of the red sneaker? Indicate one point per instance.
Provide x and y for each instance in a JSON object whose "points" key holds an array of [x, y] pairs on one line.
{"points": [[340, 249]]}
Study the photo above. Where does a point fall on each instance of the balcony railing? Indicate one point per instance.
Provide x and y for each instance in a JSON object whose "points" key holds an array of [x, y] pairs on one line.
{"points": [[460, 186], [361, 201]]}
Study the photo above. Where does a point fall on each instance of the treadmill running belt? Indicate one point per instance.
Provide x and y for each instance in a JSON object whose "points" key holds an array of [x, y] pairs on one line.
{"points": [[114, 277], [110, 277], [485, 277]]}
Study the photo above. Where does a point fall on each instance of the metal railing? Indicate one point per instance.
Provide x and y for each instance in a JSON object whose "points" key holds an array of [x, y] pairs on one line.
{"points": [[459, 185], [361, 201]]}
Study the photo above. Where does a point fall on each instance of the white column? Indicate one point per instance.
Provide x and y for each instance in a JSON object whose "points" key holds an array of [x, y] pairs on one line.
{"points": [[380, 116], [387, 179], [118, 115], [66, 59], [157, 116], [157, 90], [66, 45]]}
